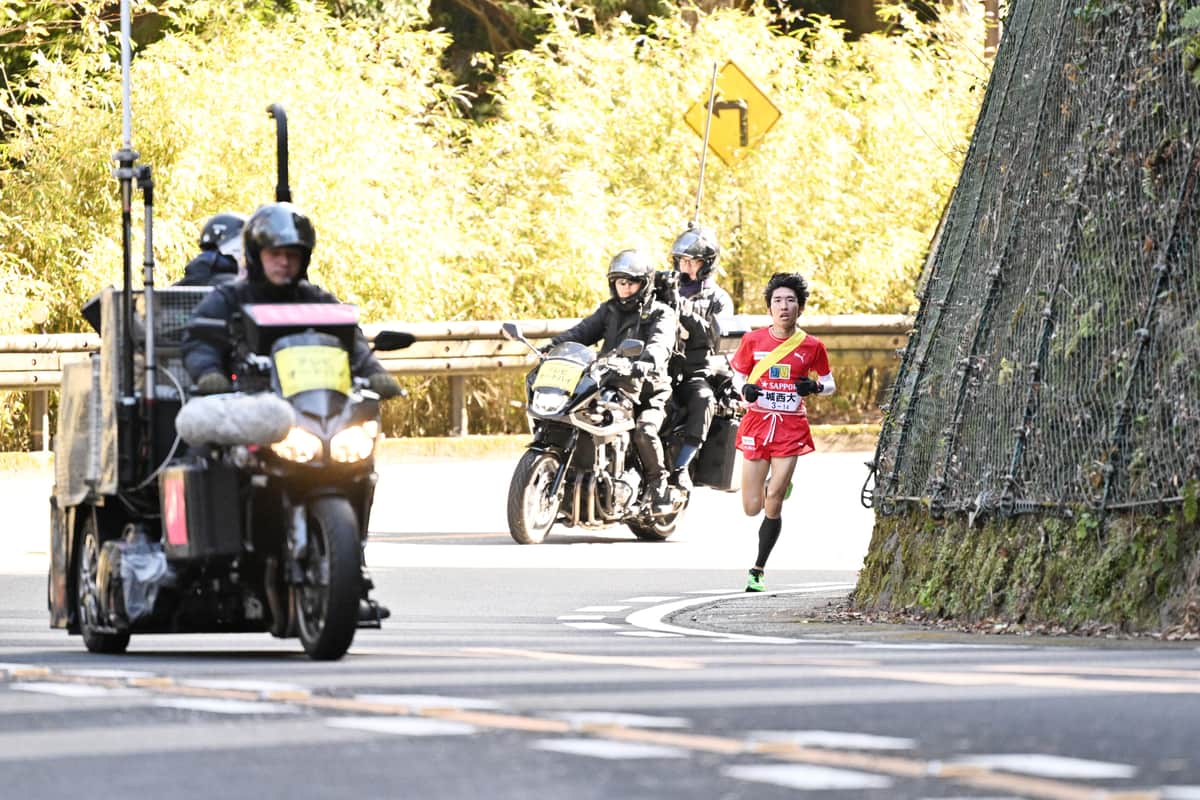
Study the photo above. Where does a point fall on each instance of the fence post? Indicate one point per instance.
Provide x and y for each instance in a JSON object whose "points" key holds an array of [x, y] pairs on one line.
{"points": [[39, 420], [458, 406]]}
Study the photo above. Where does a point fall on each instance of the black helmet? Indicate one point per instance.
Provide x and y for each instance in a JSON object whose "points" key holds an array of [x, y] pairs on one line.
{"points": [[277, 225], [698, 243], [223, 232], [634, 265]]}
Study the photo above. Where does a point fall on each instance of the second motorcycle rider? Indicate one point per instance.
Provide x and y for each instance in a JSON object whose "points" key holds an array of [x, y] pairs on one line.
{"points": [[631, 312]]}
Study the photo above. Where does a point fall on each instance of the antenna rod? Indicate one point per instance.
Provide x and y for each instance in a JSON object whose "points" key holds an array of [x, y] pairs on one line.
{"points": [[712, 96], [125, 158], [126, 113]]}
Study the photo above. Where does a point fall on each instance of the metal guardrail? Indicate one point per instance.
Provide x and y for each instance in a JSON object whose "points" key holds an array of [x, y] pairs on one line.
{"points": [[34, 363]]}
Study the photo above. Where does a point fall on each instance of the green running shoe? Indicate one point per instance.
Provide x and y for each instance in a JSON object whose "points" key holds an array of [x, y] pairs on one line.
{"points": [[754, 583]]}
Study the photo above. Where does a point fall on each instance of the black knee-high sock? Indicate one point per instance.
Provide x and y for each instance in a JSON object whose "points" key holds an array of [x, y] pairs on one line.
{"points": [[768, 535]]}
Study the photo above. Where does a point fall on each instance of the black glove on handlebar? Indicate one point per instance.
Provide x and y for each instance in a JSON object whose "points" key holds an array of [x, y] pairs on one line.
{"points": [[750, 392], [806, 386], [384, 385]]}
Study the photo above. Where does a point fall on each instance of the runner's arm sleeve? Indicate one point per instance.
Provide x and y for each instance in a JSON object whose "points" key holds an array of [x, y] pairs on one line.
{"points": [[827, 385]]}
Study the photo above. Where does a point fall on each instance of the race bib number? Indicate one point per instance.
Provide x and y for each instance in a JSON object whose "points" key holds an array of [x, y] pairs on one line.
{"points": [[308, 367], [558, 374], [778, 401]]}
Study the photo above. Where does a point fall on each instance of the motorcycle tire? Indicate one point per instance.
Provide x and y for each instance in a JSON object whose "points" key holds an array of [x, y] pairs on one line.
{"points": [[659, 529], [327, 601], [532, 508], [87, 560]]}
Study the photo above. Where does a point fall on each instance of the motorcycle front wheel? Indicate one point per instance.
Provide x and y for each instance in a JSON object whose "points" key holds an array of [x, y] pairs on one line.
{"points": [[658, 528], [532, 504], [327, 601]]}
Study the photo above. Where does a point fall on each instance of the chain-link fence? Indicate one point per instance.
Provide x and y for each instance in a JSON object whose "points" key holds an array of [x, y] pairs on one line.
{"points": [[1055, 361]]}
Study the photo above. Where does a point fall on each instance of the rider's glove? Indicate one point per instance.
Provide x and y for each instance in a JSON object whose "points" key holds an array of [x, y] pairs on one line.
{"points": [[213, 383], [750, 392], [642, 369], [384, 385], [806, 386]]}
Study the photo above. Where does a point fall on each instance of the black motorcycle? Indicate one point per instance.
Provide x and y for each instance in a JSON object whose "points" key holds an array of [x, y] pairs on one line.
{"points": [[581, 469]]}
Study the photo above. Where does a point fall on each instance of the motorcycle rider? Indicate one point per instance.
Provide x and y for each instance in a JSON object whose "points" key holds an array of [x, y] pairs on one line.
{"points": [[632, 312], [694, 256], [220, 251], [278, 241]]}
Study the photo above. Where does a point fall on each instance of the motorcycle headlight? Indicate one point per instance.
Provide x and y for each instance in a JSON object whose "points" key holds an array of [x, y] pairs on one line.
{"points": [[548, 402], [355, 443], [299, 445]]}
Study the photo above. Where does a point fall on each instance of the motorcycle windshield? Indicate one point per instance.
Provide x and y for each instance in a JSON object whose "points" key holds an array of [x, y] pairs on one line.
{"points": [[563, 367], [303, 368]]}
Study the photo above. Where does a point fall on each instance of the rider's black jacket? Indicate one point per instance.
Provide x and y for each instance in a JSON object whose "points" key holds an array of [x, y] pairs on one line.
{"points": [[201, 357], [610, 324], [209, 268], [698, 311]]}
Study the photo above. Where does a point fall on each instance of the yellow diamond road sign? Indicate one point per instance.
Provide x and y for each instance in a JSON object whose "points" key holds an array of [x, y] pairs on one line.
{"points": [[742, 115]]}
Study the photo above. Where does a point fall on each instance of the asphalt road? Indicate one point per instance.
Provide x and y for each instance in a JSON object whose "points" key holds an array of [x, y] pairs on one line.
{"points": [[572, 669]]}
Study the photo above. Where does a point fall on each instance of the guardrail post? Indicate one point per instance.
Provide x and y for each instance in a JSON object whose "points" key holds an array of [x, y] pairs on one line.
{"points": [[458, 406], [39, 420]]}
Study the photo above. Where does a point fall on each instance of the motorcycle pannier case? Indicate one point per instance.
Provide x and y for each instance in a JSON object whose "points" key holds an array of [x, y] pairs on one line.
{"points": [[717, 458], [200, 511]]}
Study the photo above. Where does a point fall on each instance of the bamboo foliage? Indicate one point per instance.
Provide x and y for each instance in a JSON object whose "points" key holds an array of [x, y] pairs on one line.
{"points": [[424, 213]]}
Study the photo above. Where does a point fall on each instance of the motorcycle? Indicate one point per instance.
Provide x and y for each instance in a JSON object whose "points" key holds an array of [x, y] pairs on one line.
{"points": [[581, 468], [262, 525]]}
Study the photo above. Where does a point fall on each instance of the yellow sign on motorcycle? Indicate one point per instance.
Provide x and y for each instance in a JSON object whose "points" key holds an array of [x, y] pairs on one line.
{"points": [[307, 367], [558, 374]]}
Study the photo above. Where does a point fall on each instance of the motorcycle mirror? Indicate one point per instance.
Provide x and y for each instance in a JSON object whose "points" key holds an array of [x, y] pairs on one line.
{"points": [[630, 348], [393, 340], [208, 329], [510, 331]]}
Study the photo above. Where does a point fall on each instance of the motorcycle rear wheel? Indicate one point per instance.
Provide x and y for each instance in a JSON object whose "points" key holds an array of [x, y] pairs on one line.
{"points": [[86, 562], [532, 505], [327, 601]]}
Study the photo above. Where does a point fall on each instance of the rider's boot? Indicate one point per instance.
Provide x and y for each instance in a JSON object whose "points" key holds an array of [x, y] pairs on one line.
{"points": [[680, 474], [659, 492]]}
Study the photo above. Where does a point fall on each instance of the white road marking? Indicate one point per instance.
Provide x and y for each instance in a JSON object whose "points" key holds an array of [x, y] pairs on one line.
{"points": [[262, 687], [834, 740], [808, 778], [116, 674], [220, 706], [603, 748], [1181, 793], [651, 599], [73, 690], [578, 719], [651, 618], [591, 626], [403, 726], [579, 617], [651, 634], [418, 702], [1046, 766], [605, 609]]}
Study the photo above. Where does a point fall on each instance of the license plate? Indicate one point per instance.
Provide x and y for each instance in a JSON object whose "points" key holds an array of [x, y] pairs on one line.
{"points": [[307, 367], [558, 375]]}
